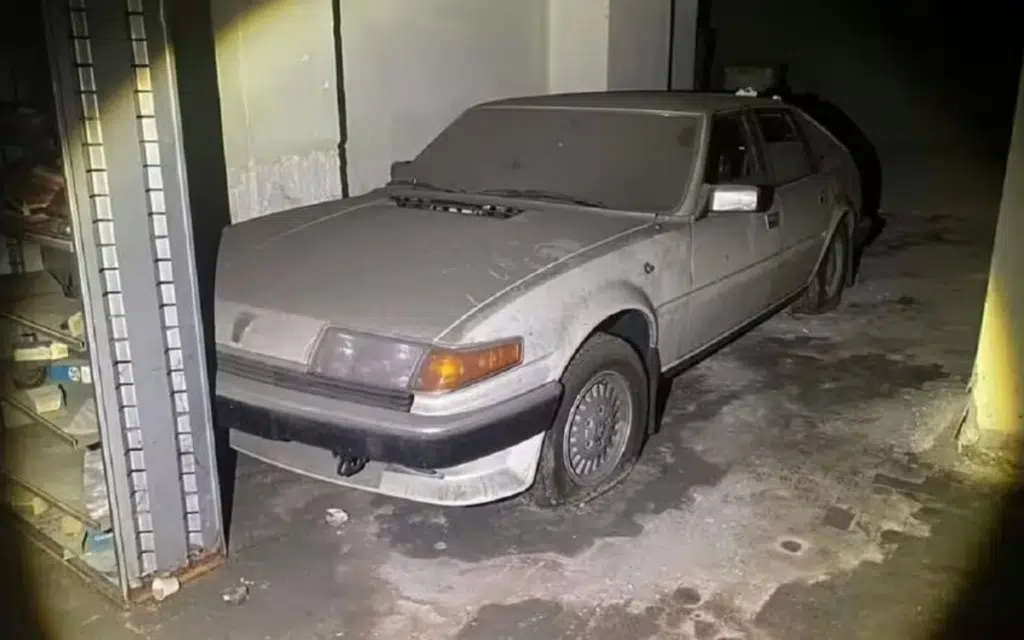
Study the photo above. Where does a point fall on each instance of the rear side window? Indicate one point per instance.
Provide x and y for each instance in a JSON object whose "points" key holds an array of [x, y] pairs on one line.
{"points": [[784, 146], [731, 156], [823, 147]]}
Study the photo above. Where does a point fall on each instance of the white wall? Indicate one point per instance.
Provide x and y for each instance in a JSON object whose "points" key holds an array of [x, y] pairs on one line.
{"points": [[594, 45], [412, 66], [578, 45], [275, 68]]}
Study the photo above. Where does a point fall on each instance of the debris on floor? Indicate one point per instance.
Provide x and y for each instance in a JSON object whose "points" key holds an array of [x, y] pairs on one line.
{"points": [[237, 594], [838, 518], [164, 586], [336, 517]]}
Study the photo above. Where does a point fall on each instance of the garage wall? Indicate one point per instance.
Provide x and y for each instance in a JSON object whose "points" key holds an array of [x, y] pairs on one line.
{"points": [[279, 102], [577, 41], [410, 67]]}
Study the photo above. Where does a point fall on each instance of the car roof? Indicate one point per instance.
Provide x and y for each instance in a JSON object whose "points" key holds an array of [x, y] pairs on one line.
{"points": [[677, 101]]}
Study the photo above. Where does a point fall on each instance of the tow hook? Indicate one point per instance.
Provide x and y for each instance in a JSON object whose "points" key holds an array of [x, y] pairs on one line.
{"points": [[349, 466]]}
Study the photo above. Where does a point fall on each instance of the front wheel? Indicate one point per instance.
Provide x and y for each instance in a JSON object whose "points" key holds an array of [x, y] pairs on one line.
{"points": [[600, 426], [825, 290]]}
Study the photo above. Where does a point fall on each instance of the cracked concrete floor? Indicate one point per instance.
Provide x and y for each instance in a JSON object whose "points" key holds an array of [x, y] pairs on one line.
{"points": [[801, 487]]}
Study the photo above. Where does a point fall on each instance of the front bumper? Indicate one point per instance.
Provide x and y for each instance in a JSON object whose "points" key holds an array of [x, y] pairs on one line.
{"points": [[381, 435]]}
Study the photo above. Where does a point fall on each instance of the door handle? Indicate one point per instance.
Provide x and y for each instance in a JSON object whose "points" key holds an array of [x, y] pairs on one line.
{"points": [[823, 196], [771, 219]]}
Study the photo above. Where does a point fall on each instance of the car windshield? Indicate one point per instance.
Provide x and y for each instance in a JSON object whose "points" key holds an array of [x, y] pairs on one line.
{"points": [[635, 161]]}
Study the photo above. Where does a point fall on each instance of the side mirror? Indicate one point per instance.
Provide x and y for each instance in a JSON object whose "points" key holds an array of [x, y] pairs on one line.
{"points": [[400, 170], [740, 198]]}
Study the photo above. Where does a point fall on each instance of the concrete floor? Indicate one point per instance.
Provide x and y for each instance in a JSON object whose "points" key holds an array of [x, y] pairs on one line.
{"points": [[803, 486]]}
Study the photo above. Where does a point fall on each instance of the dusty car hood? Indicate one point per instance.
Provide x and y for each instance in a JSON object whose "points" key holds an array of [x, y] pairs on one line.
{"points": [[376, 267]]}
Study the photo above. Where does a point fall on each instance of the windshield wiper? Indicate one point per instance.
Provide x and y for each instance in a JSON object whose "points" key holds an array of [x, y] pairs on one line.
{"points": [[420, 184], [541, 194]]}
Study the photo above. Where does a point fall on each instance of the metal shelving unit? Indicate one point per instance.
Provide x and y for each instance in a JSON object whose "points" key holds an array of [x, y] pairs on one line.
{"points": [[59, 422], [36, 302], [51, 470], [45, 447], [116, 293]]}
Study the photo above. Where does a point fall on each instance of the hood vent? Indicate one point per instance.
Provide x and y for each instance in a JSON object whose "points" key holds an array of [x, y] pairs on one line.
{"points": [[452, 206]]}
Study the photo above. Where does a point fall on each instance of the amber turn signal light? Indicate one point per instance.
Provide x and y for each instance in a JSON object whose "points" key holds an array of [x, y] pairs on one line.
{"points": [[450, 369]]}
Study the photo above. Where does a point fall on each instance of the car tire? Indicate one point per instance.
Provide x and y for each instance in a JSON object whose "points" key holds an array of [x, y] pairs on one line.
{"points": [[580, 460], [825, 290]]}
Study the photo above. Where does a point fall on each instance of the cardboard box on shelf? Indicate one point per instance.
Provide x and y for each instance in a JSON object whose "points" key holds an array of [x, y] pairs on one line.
{"points": [[71, 370], [42, 351], [45, 399], [71, 526], [76, 325]]}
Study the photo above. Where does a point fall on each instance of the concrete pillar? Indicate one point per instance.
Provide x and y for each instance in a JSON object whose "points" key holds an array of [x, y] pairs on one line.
{"points": [[279, 103], [598, 45], [639, 43], [996, 412], [685, 19]]}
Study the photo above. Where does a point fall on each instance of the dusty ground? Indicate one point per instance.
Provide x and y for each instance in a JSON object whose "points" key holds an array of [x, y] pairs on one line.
{"points": [[802, 486]]}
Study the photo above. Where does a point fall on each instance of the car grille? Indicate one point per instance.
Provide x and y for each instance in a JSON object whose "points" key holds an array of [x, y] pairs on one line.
{"points": [[284, 378]]}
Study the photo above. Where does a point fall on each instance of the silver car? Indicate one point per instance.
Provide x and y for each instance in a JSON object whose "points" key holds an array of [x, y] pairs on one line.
{"points": [[498, 317]]}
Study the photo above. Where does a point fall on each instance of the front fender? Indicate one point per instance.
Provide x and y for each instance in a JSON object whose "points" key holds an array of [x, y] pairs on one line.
{"points": [[550, 342], [618, 299], [584, 314], [554, 314], [554, 325]]}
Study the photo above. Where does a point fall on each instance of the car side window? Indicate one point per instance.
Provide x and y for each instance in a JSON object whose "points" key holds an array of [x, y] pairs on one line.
{"points": [[784, 145], [732, 157]]}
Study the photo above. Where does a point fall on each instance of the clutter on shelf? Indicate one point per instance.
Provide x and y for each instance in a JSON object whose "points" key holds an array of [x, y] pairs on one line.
{"points": [[35, 201], [51, 433]]}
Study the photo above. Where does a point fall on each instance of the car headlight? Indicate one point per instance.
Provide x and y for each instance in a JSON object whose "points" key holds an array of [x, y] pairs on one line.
{"points": [[381, 362], [365, 359]]}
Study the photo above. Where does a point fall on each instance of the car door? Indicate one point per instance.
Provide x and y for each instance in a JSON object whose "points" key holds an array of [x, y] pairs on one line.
{"points": [[833, 160], [732, 252], [802, 192]]}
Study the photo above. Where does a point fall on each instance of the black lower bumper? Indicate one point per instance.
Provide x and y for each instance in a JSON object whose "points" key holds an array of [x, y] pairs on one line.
{"points": [[414, 450]]}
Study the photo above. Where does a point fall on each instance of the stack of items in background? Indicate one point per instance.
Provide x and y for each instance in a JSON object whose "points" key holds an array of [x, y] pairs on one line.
{"points": [[35, 201], [35, 196]]}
